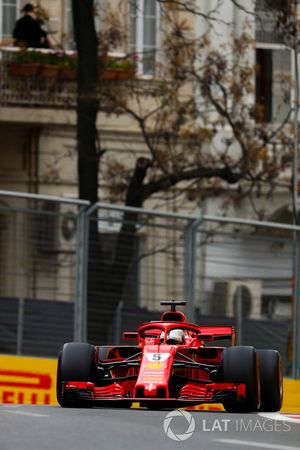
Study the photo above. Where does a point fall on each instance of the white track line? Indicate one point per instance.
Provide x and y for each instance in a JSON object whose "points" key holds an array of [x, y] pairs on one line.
{"points": [[279, 416], [24, 413], [261, 445], [10, 405]]}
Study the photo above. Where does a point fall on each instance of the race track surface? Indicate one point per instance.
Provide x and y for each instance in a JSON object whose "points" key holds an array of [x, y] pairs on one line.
{"points": [[28, 427]]}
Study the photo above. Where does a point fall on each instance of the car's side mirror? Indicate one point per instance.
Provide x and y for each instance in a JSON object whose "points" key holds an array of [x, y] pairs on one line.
{"points": [[130, 336]]}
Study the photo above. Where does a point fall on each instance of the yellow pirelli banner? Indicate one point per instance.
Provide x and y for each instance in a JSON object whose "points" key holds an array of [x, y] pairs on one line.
{"points": [[26, 380], [291, 396]]}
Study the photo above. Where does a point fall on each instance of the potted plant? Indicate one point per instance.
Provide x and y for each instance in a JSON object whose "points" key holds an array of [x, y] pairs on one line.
{"points": [[24, 63], [45, 64], [49, 66], [68, 66], [117, 68]]}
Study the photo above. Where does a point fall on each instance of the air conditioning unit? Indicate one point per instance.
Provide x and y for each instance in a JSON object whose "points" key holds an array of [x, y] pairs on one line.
{"points": [[67, 226], [227, 294]]}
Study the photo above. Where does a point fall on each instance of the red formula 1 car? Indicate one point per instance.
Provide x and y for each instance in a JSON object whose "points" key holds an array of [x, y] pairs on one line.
{"points": [[173, 364]]}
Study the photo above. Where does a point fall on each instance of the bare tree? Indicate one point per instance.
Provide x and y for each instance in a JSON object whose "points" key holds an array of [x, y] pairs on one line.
{"points": [[200, 128]]}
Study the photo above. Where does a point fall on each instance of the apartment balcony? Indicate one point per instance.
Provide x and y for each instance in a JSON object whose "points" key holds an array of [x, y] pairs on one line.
{"points": [[38, 89]]}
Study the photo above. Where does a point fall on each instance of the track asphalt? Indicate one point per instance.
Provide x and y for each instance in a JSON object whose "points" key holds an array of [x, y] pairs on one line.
{"points": [[28, 427]]}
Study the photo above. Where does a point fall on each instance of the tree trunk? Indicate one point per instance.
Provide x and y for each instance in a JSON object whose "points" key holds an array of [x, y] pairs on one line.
{"points": [[107, 281], [87, 102], [87, 109]]}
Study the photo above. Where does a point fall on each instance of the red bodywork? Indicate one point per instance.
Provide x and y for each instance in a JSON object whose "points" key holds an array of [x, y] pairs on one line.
{"points": [[153, 371]]}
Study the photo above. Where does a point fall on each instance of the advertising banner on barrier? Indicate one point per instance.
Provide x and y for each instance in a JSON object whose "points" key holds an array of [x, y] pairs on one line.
{"points": [[291, 396], [27, 380]]}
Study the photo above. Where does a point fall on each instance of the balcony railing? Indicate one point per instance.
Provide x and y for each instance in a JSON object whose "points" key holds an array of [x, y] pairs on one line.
{"points": [[35, 90]]}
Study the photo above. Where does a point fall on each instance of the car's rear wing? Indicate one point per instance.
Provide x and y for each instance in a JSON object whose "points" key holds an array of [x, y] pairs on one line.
{"points": [[213, 333]]}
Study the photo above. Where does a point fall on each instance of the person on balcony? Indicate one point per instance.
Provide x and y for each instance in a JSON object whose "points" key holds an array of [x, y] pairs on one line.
{"points": [[28, 31]]}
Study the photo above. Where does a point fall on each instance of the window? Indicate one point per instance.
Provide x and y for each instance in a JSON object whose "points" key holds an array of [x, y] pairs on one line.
{"points": [[271, 17], [273, 72], [273, 66], [143, 33], [70, 43], [9, 10], [266, 30]]}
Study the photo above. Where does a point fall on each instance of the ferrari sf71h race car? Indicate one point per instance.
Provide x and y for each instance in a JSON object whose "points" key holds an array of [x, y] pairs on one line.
{"points": [[173, 364]]}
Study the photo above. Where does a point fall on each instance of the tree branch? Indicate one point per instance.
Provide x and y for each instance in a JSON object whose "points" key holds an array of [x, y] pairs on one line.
{"points": [[164, 183]]}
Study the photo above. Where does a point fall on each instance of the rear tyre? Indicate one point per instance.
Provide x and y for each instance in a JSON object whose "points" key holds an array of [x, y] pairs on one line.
{"points": [[240, 365], [270, 368], [76, 362]]}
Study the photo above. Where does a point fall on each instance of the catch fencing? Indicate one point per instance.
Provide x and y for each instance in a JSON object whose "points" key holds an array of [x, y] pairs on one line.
{"points": [[74, 271], [37, 272]]}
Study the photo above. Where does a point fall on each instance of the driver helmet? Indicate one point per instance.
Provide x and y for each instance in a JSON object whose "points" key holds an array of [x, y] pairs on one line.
{"points": [[175, 337]]}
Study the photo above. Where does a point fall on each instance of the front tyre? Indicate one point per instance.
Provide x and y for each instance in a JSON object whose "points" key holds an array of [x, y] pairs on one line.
{"points": [[270, 368], [76, 362], [240, 365]]}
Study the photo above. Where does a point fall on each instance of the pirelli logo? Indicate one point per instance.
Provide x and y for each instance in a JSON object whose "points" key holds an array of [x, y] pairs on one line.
{"points": [[27, 380], [24, 379]]}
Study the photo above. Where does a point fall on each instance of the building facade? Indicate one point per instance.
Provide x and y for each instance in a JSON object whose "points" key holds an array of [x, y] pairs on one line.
{"points": [[38, 131]]}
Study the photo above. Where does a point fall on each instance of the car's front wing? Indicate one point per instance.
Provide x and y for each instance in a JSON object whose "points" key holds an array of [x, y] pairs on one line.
{"points": [[190, 394]]}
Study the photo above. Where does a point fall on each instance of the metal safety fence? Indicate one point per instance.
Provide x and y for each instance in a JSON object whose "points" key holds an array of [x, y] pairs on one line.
{"points": [[74, 271], [37, 272]]}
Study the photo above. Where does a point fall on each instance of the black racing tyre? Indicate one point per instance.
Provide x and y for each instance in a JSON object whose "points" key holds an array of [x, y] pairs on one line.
{"points": [[240, 365], [76, 362], [270, 369]]}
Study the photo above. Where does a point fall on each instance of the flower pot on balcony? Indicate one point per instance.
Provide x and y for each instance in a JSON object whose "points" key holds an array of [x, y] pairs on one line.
{"points": [[108, 74], [49, 71], [127, 74], [23, 69], [68, 74], [117, 74]]}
